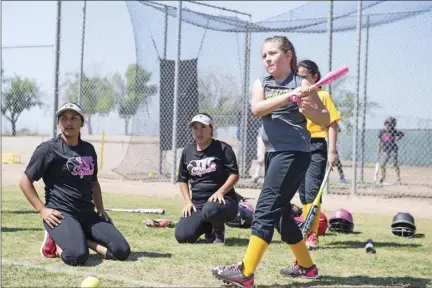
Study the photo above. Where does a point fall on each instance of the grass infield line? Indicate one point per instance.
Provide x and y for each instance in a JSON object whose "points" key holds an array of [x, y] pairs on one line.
{"points": [[73, 272]]}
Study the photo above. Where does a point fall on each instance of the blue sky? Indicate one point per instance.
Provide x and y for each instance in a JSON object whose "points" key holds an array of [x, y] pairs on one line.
{"points": [[398, 72]]}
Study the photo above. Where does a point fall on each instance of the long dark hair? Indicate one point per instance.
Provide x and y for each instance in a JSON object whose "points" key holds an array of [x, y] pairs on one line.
{"points": [[311, 66]]}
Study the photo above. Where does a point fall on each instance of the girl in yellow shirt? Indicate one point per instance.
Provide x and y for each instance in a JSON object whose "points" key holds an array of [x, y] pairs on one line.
{"points": [[320, 154]]}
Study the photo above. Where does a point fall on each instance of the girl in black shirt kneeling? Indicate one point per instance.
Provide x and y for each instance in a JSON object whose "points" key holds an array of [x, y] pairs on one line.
{"points": [[210, 166], [68, 167]]}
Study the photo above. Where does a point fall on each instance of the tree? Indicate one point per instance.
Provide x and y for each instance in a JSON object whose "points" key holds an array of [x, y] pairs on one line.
{"points": [[345, 97], [19, 94], [219, 96], [98, 95], [3, 79], [132, 92]]}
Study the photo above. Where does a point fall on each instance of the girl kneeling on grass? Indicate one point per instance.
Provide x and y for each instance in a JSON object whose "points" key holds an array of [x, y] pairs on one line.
{"points": [[287, 157], [68, 167], [210, 166]]}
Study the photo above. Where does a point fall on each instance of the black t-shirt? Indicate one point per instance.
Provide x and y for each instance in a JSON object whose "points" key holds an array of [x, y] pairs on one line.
{"points": [[68, 173], [207, 170], [388, 139]]}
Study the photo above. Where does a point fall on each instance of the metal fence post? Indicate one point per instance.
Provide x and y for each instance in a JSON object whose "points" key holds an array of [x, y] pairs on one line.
{"points": [[176, 92], [57, 68], [357, 100]]}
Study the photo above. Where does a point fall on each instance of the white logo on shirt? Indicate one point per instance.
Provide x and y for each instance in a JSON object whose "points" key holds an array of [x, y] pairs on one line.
{"points": [[201, 167]]}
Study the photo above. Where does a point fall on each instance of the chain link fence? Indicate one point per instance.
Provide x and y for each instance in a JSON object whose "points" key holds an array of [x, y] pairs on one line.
{"points": [[213, 72], [206, 84], [98, 68], [394, 129], [124, 78], [26, 89]]}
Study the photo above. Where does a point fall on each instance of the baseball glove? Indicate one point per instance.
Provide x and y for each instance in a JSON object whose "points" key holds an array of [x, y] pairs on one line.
{"points": [[159, 223]]}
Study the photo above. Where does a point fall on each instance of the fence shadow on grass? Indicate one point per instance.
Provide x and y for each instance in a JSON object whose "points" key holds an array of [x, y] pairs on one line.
{"points": [[16, 229], [235, 241], [361, 244], [357, 281], [135, 256]]}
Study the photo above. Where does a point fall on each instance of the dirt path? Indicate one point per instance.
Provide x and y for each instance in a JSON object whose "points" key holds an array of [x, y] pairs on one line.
{"points": [[357, 204]]}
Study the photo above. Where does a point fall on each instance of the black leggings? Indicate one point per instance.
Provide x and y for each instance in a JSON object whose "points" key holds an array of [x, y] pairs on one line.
{"points": [[215, 214], [72, 233], [283, 174], [315, 173]]}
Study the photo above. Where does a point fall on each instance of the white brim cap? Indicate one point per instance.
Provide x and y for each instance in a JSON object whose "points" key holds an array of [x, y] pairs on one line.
{"points": [[203, 119], [71, 107]]}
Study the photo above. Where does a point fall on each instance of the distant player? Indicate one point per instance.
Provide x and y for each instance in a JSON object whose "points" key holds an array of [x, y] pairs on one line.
{"points": [[388, 148], [252, 127], [259, 156]]}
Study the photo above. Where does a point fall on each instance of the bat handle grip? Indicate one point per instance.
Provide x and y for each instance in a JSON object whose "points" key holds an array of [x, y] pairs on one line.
{"points": [[294, 98]]}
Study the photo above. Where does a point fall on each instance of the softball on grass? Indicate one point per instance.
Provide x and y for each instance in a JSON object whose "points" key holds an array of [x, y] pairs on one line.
{"points": [[90, 282], [151, 175]]}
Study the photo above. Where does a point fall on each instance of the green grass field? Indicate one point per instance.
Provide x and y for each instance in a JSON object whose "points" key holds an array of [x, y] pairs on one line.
{"points": [[157, 259]]}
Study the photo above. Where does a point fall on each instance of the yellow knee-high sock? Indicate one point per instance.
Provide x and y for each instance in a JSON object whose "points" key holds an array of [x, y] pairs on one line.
{"points": [[305, 210], [302, 254], [315, 223], [254, 253]]}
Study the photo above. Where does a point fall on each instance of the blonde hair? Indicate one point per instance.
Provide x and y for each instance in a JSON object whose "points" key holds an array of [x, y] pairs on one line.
{"points": [[285, 45]]}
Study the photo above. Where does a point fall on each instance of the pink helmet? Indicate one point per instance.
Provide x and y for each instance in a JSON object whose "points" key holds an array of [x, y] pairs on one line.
{"points": [[247, 206], [342, 221], [244, 216]]}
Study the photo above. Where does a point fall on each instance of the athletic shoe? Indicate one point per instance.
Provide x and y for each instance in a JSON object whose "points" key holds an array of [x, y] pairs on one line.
{"points": [[255, 179], [48, 248], [343, 180], [209, 236], [297, 271], [233, 275], [312, 241], [219, 234]]}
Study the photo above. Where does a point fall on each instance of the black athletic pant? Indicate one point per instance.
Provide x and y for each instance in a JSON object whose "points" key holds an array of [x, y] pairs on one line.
{"points": [[208, 214], [283, 174], [315, 173], [72, 233]]}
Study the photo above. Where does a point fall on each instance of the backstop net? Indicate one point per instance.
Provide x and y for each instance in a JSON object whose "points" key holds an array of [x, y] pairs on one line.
{"points": [[211, 79], [220, 60]]}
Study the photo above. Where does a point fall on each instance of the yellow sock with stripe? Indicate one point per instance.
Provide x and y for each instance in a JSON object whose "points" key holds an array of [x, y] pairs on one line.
{"points": [[254, 253], [302, 255], [315, 223]]}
